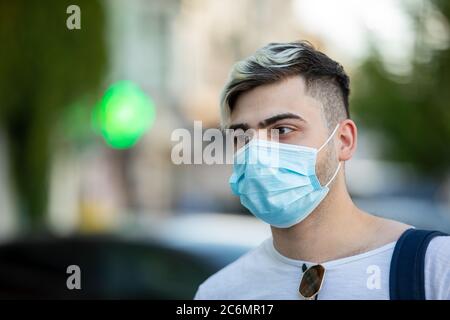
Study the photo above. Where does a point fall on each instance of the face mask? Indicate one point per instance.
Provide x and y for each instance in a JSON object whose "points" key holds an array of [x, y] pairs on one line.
{"points": [[277, 182]]}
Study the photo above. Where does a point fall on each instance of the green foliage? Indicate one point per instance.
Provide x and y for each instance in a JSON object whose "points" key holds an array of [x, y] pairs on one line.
{"points": [[44, 67], [413, 113]]}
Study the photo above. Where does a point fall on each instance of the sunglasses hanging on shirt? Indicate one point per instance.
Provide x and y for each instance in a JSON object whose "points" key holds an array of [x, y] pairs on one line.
{"points": [[311, 282]]}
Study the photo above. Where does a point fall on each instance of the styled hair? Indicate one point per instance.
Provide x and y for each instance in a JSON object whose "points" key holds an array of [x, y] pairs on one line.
{"points": [[325, 78]]}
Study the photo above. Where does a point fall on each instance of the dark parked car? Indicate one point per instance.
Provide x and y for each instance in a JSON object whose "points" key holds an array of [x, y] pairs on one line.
{"points": [[142, 266]]}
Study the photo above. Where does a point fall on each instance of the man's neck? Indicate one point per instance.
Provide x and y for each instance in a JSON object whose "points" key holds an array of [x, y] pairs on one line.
{"points": [[335, 229]]}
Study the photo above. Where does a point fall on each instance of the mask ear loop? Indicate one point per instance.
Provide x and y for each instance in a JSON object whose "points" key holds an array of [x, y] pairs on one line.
{"points": [[334, 175], [329, 138], [323, 145]]}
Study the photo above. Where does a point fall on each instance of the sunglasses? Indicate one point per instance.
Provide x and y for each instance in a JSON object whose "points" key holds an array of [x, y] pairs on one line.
{"points": [[312, 280]]}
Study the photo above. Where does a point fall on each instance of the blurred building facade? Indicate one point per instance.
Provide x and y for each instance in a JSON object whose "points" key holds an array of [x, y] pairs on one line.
{"points": [[180, 53]]}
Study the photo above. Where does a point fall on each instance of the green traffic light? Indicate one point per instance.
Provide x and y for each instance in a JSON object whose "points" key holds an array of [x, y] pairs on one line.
{"points": [[123, 114]]}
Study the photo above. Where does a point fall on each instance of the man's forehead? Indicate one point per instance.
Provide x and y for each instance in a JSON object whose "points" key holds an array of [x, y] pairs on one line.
{"points": [[293, 87], [266, 121], [258, 115], [307, 111], [286, 96]]}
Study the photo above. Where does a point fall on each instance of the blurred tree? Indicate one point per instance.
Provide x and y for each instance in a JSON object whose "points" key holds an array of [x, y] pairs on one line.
{"points": [[411, 112], [44, 67]]}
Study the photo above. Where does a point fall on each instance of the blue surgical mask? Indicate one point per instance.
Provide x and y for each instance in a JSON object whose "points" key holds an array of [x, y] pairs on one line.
{"points": [[277, 182]]}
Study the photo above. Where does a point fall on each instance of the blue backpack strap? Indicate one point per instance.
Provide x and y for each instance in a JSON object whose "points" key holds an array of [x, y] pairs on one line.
{"points": [[407, 276]]}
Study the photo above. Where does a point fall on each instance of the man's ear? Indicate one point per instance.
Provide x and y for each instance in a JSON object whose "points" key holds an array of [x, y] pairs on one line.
{"points": [[347, 139]]}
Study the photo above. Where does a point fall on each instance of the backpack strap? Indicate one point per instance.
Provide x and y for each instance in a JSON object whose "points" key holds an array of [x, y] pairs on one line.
{"points": [[407, 276]]}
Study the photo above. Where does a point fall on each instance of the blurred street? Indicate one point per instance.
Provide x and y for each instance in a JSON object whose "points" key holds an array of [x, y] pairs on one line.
{"points": [[87, 116]]}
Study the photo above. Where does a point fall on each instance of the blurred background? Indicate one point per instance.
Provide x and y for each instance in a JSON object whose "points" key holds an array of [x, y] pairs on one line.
{"points": [[88, 105]]}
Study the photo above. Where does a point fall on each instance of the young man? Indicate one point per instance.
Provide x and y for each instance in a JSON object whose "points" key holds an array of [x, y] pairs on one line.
{"points": [[303, 95]]}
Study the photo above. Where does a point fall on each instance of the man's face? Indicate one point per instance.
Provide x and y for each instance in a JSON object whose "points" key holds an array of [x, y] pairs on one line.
{"points": [[299, 119]]}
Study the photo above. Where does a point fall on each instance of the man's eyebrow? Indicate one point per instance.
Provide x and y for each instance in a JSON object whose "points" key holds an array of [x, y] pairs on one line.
{"points": [[242, 126], [267, 122]]}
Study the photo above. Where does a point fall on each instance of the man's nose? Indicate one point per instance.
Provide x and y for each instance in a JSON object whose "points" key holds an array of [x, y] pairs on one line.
{"points": [[266, 134]]}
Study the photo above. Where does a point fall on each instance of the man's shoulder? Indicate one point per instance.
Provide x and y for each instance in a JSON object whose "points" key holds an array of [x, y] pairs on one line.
{"points": [[437, 268], [232, 276], [438, 252]]}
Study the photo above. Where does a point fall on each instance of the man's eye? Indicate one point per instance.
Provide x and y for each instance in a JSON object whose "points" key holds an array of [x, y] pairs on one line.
{"points": [[284, 130]]}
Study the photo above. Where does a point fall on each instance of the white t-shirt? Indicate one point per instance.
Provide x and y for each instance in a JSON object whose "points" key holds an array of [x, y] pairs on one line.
{"points": [[263, 273]]}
